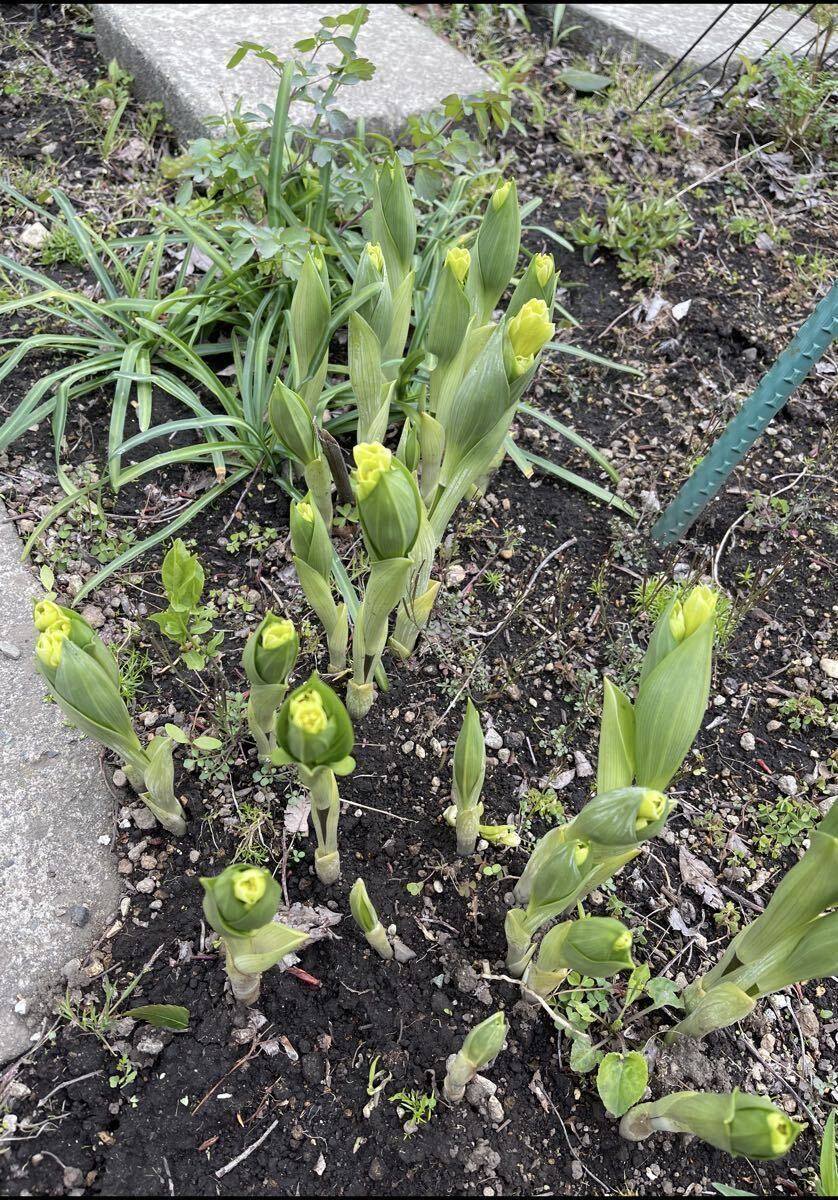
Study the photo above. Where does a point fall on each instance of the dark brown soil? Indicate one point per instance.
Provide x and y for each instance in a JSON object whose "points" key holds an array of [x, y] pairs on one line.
{"points": [[530, 640]]}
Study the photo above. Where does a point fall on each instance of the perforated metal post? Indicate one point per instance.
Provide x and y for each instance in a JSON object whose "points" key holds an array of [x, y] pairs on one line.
{"points": [[775, 387]]}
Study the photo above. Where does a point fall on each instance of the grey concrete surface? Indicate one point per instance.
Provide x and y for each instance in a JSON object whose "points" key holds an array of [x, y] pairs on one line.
{"points": [[178, 54], [663, 32], [58, 879]]}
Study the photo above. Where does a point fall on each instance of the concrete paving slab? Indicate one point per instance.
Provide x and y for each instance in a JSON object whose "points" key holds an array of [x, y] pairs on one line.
{"points": [[58, 878], [178, 53], [663, 32]]}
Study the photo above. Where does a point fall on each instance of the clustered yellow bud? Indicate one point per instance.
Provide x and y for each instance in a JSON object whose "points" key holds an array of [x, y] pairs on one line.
{"points": [[677, 625], [308, 714], [699, 605], [372, 460], [277, 634], [544, 268], [780, 1133], [50, 645], [499, 198], [530, 329], [580, 853], [375, 255], [304, 512], [250, 885], [47, 614], [623, 941], [650, 809], [459, 260]]}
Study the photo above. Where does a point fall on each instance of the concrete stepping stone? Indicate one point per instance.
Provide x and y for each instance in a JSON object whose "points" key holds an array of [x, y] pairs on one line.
{"points": [[178, 53], [58, 878], [663, 32]]}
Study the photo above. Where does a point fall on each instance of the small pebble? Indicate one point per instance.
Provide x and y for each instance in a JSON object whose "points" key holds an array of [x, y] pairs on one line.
{"points": [[10, 650], [79, 915], [747, 741]]}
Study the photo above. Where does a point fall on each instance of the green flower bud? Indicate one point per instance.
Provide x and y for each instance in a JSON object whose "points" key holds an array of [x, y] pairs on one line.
{"points": [[496, 250], [363, 910], [530, 330], [597, 946], [50, 647], [674, 688], [617, 821], [677, 624], [537, 283], [271, 651], [393, 218], [458, 261], [310, 313], [740, 1124], [485, 1042], [700, 606], [450, 312], [47, 614], [469, 760], [240, 900], [545, 268], [310, 539], [313, 728], [293, 425], [389, 504], [499, 835], [377, 311]]}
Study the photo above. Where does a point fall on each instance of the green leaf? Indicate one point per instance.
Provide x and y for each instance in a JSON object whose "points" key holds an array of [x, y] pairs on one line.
{"points": [[162, 1016], [183, 577], [828, 1179], [583, 1057], [637, 983], [663, 993], [207, 743], [584, 81], [177, 735], [621, 1081], [615, 758], [724, 1190]]}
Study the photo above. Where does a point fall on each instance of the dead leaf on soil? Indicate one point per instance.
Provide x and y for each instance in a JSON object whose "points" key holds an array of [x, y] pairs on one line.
{"points": [[700, 878], [680, 926], [295, 819], [314, 920]]}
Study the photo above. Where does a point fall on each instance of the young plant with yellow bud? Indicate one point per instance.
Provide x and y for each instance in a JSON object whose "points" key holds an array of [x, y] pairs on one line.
{"points": [[366, 918], [794, 940], [84, 680], [481, 1047], [269, 657], [294, 429], [469, 772], [314, 733], [240, 905], [595, 946], [569, 862], [741, 1125], [311, 311], [647, 742], [312, 550], [391, 514]]}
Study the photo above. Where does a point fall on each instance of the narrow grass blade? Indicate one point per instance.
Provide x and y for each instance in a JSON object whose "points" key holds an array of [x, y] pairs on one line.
{"points": [[572, 436], [585, 485]]}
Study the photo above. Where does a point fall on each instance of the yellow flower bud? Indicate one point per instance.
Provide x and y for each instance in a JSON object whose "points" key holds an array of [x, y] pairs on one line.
{"points": [[459, 260], [580, 853], [623, 941], [544, 268], [50, 645], [47, 614], [499, 198], [277, 634], [650, 809], [376, 257], [698, 608], [304, 512], [372, 460], [531, 329], [250, 885], [677, 624], [308, 713]]}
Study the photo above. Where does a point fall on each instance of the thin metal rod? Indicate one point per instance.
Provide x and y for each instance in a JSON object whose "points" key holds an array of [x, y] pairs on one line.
{"points": [[686, 54]]}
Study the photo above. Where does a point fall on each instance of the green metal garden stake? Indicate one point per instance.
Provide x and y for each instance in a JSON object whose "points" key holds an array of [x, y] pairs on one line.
{"points": [[788, 372]]}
